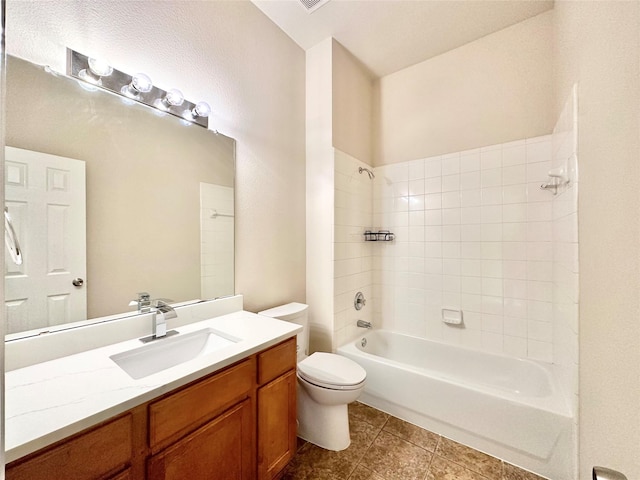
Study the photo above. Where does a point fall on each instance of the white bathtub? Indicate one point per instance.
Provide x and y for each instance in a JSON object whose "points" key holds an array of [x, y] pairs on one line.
{"points": [[510, 408]]}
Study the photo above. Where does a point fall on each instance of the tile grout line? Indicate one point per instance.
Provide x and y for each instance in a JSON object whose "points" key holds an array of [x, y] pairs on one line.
{"points": [[374, 441], [433, 454]]}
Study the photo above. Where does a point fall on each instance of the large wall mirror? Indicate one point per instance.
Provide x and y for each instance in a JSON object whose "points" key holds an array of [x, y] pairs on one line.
{"points": [[157, 193]]}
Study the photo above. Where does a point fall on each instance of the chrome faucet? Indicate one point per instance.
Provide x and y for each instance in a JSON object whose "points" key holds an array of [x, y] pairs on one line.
{"points": [[162, 312], [143, 302], [363, 324]]}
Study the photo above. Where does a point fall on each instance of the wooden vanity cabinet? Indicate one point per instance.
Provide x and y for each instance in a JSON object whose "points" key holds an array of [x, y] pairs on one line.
{"points": [[235, 424], [277, 426]]}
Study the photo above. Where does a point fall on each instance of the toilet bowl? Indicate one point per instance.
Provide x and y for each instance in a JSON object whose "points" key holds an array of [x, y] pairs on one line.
{"points": [[327, 383]]}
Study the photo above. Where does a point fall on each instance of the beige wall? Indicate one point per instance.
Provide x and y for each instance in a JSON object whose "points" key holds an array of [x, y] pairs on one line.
{"points": [[352, 100], [252, 74], [319, 184], [493, 90], [597, 46]]}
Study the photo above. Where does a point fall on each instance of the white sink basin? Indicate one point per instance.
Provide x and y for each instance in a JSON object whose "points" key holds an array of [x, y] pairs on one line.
{"points": [[171, 351]]}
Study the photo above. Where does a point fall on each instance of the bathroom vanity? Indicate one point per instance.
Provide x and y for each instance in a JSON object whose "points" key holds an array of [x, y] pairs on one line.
{"points": [[228, 414]]}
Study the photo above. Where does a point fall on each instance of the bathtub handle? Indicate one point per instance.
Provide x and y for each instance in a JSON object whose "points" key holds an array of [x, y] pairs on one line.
{"points": [[359, 301]]}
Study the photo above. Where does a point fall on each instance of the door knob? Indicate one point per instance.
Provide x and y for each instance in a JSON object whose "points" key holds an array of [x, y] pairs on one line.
{"points": [[603, 473], [77, 282]]}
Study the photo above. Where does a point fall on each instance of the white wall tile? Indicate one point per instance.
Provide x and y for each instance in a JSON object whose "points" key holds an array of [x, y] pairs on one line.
{"points": [[514, 175], [470, 162], [432, 167], [516, 212], [515, 155], [450, 164], [492, 269], [416, 169], [491, 214], [433, 201], [451, 199], [491, 196], [470, 180], [416, 187], [514, 269], [451, 233], [450, 183], [491, 159], [514, 193], [470, 198], [491, 178], [433, 185], [515, 326], [475, 231], [432, 217], [471, 285], [471, 267]]}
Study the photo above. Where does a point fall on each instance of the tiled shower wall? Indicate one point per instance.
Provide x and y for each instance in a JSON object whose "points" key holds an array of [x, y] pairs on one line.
{"points": [[473, 231], [353, 258], [216, 240]]}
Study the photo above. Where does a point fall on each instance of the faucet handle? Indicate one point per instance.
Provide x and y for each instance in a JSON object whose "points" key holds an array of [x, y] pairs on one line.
{"points": [[143, 302]]}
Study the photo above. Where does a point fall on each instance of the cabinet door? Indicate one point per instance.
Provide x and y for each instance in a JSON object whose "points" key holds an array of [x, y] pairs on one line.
{"points": [[276, 425], [222, 449]]}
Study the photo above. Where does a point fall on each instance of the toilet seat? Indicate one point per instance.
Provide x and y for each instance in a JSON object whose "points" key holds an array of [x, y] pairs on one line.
{"points": [[332, 371]]}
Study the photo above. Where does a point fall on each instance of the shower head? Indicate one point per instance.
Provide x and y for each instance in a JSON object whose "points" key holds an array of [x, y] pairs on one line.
{"points": [[369, 172]]}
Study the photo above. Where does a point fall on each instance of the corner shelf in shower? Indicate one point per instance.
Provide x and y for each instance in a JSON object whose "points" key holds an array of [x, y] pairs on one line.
{"points": [[379, 236]]}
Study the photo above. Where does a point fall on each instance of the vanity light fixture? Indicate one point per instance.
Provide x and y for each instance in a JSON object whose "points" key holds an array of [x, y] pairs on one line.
{"points": [[136, 87]]}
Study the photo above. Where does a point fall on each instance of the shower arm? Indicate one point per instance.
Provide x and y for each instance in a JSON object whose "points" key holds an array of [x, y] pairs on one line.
{"points": [[369, 172]]}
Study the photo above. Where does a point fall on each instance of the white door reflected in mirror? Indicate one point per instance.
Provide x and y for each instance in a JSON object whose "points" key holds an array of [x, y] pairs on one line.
{"points": [[46, 198]]}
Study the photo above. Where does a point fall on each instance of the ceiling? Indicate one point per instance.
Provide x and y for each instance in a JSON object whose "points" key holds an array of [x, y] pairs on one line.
{"points": [[389, 35]]}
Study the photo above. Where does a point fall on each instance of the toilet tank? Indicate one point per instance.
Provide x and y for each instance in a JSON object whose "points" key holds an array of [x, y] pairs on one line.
{"points": [[295, 313]]}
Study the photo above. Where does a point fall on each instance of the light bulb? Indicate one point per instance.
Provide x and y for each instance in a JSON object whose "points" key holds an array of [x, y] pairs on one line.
{"points": [[173, 98], [97, 69], [140, 83], [202, 109], [100, 67]]}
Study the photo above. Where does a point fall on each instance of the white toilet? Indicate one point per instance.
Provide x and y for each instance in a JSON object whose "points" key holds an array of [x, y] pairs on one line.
{"points": [[326, 384]]}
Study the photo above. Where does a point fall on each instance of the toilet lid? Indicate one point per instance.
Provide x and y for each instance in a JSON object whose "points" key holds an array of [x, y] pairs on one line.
{"points": [[331, 369]]}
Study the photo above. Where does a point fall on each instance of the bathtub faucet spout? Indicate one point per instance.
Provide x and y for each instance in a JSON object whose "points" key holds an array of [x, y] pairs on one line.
{"points": [[363, 324]]}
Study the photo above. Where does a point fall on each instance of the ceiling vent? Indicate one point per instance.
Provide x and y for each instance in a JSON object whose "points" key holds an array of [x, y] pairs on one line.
{"points": [[312, 5]]}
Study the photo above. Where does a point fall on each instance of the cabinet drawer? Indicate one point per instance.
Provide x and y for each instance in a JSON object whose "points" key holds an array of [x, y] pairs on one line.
{"points": [[98, 453], [181, 412], [276, 361]]}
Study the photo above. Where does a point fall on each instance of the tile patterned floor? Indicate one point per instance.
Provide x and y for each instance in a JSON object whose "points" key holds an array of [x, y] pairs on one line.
{"points": [[386, 448]]}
